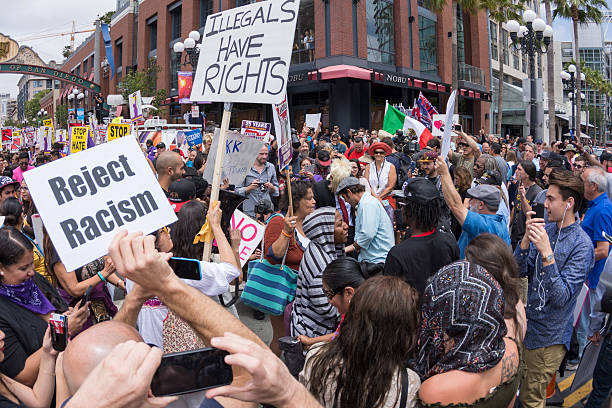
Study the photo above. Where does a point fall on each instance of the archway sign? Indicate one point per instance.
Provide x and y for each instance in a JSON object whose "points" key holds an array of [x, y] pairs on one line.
{"points": [[24, 60]]}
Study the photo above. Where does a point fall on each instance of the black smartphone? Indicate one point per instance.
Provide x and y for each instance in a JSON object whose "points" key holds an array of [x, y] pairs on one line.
{"points": [[186, 268], [191, 371], [412, 165], [58, 324], [457, 128], [85, 297], [539, 210]]}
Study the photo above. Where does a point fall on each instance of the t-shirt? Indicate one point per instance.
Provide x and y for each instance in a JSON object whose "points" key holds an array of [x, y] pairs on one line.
{"points": [[373, 230], [518, 222], [461, 161], [475, 224], [352, 153], [419, 257], [597, 218]]}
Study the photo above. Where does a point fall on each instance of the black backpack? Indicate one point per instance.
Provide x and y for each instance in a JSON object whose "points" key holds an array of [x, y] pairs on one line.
{"points": [[404, 170]]}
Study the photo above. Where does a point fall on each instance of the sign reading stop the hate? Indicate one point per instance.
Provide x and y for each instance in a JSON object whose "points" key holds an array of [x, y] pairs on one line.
{"points": [[117, 130], [245, 53], [78, 139]]}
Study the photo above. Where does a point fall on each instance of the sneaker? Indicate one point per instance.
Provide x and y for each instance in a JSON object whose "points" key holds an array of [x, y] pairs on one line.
{"points": [[259, 315], [572, 365]]}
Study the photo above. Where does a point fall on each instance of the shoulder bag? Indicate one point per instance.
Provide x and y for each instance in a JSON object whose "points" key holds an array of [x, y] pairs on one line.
{"points": [[269, 288]]}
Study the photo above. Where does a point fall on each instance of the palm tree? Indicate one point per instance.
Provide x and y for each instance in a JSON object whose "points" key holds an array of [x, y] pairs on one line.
{"points": [[501, 11], [579, 11], [550, 77]]}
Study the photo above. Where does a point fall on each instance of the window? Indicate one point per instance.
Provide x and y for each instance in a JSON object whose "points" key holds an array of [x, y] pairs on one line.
{"points": [[515, 59], [505, 43], [174, 67], [304, 39], [175, 17], [379, 25], [206, 9], [153, 36], [49, 84], [244, 2], [427, 45], [493, 30], [84, 66], [460, 37], [119, 55]]}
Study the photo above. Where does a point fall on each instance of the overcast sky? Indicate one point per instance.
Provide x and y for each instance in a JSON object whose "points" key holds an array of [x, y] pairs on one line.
{"points": [[26, 18]]}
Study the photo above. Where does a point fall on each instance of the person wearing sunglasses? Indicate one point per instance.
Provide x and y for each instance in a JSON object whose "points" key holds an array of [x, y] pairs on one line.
{"points": [[579, 165], [381, 175]]}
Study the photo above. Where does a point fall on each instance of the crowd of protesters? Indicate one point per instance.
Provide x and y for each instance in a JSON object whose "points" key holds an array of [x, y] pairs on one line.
{"points": [[420, 280]]}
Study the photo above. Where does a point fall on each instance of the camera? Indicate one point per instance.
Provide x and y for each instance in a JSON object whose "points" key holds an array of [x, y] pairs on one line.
{"points": [[262, 187]]}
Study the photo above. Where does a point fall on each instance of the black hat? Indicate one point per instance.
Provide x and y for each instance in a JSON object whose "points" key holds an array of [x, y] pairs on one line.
{"points": [[160, 145], [324, 158], [181, 191], [605, 156], [421, 191], [491, 177]]}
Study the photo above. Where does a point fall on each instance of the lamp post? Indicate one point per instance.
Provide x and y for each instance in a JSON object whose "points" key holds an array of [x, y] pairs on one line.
{"points": [[192, 49], [532, 38], [569, 81]]}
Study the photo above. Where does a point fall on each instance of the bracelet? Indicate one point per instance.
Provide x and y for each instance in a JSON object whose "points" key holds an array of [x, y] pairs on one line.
{"points": [[101, 277], [285, 234]]}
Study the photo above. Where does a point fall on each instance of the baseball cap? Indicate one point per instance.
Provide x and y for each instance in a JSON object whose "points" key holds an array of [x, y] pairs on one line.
{"points": [[160, 145], [5, 181], [490, 177], [420, 190], [521, 140], [324, 158], [605, 156], [347, 182], [570, 148], [486, 193], [181, 191], [428, 156]]}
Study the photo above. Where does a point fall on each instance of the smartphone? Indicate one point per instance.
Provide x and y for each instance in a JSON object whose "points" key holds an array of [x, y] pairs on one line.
{"points": [[85, 297], [309, 168], [412, 166], [190, 371], [58, 325], [186, 268], [606, 236], [457, 128], [539, 210]]}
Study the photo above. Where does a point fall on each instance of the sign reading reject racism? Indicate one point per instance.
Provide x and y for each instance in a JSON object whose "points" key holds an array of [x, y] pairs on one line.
{"points": [[246, 53], [84, 199]]}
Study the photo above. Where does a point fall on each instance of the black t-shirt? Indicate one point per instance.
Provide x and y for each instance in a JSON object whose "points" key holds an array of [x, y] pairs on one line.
{"points": [[518, 222], [7, 403], [418, 258]]}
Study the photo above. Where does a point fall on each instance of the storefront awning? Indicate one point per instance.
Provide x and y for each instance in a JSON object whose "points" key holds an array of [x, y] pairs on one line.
{"points": [[344, 71]]}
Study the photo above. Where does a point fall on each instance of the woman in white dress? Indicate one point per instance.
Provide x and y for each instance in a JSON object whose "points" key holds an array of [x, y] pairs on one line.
{"points": [[381, 175]]}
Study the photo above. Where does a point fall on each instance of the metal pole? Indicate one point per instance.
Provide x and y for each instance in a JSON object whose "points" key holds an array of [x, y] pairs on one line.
{"points": [[532, 100]]}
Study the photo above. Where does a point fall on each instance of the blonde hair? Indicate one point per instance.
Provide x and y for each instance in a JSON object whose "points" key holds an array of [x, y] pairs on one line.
{"points": [[340, 169]]}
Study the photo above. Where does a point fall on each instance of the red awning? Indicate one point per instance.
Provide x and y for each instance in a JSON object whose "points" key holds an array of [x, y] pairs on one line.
{"points": [[418, 83], [345, 71], [441, 88], [432, 86]]}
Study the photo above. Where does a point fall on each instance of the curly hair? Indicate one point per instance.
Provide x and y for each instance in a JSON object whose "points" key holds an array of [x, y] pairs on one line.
{"points": [[299, 190], [424, 217]]}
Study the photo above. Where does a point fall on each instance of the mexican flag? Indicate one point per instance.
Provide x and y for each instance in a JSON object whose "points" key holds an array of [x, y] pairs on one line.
{"points": [[394, 120]]}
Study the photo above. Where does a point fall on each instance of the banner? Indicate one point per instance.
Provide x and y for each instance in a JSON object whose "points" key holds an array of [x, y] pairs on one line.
{"points": [[195, 111], [48, 122], [258, 130], [193, 137], [248, 51], [80, 114], [240, 154], [448, 125], [7, 135], [437, 124], [117, 130], [283, 133], [85, 199], [135, 104], [78, 139], [108, 45], [251, 233], [185, 81]]}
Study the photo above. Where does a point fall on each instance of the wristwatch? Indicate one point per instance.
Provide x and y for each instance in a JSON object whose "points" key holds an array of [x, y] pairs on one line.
{"points": [[548, 258]]}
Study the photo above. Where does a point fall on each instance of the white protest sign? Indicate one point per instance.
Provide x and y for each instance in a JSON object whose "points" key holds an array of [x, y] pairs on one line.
{"points": [[246, 53], [240, 154], [280, 112], [251, 233], [437, 123], [448, 124], [85, 199], [259, 130], [168, 136], [135, 103], [312, 120]]}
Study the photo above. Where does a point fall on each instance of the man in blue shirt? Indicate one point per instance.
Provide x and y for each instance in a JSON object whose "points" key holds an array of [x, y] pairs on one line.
{"points": [[556, 258], [373, 229], [597, 219], [481, 217]]}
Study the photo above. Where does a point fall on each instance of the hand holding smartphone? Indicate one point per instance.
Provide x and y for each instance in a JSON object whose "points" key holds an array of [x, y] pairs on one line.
{"points": [[186, 268], [85, 297], [59, 331]]}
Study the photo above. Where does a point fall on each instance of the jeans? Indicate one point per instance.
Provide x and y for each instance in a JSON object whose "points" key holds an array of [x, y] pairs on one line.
{"points": [[602, 376], [582, 327]]}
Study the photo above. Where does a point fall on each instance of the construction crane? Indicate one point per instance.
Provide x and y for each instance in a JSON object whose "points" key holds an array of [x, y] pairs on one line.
{"points": [[50, 35]]}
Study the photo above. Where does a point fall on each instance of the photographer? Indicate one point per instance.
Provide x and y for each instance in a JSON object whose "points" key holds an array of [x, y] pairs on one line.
{"points": [[260, 183]]}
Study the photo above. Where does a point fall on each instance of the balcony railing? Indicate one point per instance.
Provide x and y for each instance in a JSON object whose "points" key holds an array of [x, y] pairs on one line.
{"points": [[471, 74]]}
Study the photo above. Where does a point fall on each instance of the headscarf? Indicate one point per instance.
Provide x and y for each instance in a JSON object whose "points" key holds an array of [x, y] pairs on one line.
{"points": [[28, 296], [462, 325]]}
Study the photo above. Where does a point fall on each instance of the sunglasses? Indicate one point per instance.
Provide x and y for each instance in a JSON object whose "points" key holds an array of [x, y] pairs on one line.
{"points": [[379, 153], [578, 166], [331, 293], [358, 140]]}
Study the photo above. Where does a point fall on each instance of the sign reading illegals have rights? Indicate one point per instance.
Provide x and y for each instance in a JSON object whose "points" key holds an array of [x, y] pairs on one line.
{"points": [[246, 53], [85, 199]]}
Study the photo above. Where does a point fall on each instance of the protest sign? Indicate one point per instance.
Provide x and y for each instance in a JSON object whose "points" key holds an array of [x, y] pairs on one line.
{"points": [[240, 154], [193, 137], [185, 81], [258, 130], [117, 130], [78, 139], [195, 111], [448, 124], [81, 114], [168, 136], [283, 133], [48, 122], [437, 123], [7, 135], [312, 120], [251, 233], [84, 199], [135, 103], [247, 51]]}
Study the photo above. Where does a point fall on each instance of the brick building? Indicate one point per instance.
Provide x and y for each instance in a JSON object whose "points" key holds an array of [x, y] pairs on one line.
{"points": [[349, 57]]}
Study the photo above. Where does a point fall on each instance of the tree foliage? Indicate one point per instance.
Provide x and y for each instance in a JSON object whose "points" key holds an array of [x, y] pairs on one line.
{"points": [[33, 106], [67, 51], [106, 17], [11, 123], [146, 81], [61, 117]]}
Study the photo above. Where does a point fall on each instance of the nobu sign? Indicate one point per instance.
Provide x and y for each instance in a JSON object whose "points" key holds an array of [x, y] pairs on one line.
{"points": [[245, 53], [85, 199]]}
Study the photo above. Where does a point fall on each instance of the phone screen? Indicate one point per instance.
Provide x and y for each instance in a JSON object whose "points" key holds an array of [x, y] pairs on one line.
{"points": [[186, 268], [539, 210], [191, 371], [309, 168]]}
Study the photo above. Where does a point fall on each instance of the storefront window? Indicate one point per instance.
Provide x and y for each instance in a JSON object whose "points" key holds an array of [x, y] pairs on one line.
{"points": [[304, 40], [206, 9], [379, 19], [427, 45], [174, 64], [460, 37]]}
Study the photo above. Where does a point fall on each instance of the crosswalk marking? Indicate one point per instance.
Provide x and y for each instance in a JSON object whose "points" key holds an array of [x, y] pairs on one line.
{"points": [[575, 397]]}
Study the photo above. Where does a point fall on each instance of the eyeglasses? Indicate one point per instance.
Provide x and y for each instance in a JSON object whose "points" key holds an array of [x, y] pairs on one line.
{"points": [[578, 166], [24, 188], [331, 293], [379, 153]]}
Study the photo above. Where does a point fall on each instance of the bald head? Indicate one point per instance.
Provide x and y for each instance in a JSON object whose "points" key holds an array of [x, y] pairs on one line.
{"points": [[165, 160], [90, 347]]}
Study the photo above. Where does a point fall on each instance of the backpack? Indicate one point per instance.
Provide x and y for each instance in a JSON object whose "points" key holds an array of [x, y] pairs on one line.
{"points": [[404, 170]]}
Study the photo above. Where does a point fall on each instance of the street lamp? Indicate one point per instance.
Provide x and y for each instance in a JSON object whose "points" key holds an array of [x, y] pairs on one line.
{"points": [[192, 48], [568, 79], [532, 38]]}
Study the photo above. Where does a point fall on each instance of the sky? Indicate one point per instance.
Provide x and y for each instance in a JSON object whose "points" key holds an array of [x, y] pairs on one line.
{"points": [[27, 18]]}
